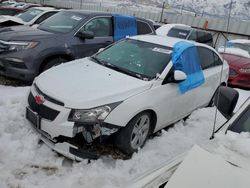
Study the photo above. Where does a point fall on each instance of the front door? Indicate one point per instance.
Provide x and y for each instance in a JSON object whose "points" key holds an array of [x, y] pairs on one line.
{"points": [[103, 36]]}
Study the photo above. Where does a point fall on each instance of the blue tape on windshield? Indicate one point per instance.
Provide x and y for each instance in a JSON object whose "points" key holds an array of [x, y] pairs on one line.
{"points": [[124, 26], [186, 58]]}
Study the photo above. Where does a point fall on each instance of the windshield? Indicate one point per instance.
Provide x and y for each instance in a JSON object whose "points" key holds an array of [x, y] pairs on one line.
{"points": [[245, 47], [137, 58], [62, 22], [29, 14]]}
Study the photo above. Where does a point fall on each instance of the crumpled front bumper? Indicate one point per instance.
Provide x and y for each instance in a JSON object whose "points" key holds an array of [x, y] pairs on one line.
{"points": [[66, 149]]}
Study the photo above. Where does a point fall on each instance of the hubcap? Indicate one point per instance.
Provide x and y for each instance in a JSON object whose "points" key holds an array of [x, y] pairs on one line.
{"points": [[140, 131]]}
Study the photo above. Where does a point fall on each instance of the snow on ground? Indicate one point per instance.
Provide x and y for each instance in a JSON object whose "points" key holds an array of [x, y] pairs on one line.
{"points": [[26, 163]]}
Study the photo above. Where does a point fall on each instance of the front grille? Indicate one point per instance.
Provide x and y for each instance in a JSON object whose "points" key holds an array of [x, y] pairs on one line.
{"points": [[19, 65], [42, 110], [48, 98], [232, 72]]}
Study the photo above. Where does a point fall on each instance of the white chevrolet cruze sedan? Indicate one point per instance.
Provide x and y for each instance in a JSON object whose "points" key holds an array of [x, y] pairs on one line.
{"points": [[129, 90]]}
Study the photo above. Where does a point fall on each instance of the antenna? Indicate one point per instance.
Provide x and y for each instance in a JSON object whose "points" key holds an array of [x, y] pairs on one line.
{"points": [[217, 101]]}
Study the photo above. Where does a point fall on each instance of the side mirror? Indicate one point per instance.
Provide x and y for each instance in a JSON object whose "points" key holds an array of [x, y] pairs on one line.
{"points": [[179, 76], [85, 35], [175, 77], [225, 100]]}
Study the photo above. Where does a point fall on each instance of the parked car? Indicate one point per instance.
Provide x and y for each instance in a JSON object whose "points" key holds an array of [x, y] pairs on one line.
{"points": [[25, 6], [237, 54], [212, 166], [127, 91], [8, 3], [68, 35], [10, 11], [185, 32], [31, 16]]}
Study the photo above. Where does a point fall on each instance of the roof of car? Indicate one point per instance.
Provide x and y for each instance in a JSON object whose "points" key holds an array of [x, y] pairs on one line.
{"points": [[165, 41], [44, 8], [10, 8], [88, 12], [97, 13], [243, 41]]}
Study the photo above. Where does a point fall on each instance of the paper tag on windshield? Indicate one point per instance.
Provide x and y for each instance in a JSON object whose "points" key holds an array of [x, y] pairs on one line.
{"points": [[161, 50], [183, 34], [76, 18]]}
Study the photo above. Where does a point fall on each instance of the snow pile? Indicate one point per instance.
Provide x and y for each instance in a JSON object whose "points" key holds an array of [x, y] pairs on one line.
{"points": [[239, 143], [26, 163]]}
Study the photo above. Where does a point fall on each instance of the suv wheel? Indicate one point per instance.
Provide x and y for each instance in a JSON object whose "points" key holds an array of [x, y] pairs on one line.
{"points": [[53, 62], [130, 138]]}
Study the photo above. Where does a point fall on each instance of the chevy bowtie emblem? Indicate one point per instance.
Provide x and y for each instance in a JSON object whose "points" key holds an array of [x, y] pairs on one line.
{"points": [[39, 99]]}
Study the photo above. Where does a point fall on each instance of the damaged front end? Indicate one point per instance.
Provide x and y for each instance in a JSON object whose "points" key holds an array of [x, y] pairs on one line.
{"points": [[91, 132]]}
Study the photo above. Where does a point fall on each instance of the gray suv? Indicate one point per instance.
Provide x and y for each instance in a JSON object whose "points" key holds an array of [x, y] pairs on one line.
{"points": [[25, 52]]}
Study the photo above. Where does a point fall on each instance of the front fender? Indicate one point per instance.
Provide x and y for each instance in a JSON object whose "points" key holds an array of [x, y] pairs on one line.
{"points": [[129, 108]]}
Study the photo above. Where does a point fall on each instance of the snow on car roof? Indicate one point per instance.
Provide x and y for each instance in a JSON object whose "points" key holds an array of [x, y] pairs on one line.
{"points": [[165, 40], [44, 8], [161, 40]]}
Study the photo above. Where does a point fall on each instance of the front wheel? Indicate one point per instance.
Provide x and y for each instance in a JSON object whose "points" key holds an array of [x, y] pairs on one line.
{"points": [[130, 138], [53, 62]]}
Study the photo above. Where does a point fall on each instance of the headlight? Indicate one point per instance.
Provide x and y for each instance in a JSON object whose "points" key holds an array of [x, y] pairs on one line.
{"points": [[247, 70], [92, 115], [17, 46]]}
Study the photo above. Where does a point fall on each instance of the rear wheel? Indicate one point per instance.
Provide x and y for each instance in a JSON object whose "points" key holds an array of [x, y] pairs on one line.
{"points": [[53, 62], [130, 138]]}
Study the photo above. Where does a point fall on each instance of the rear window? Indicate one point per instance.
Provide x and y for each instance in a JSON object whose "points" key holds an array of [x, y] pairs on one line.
{"points": [[178, 33]]}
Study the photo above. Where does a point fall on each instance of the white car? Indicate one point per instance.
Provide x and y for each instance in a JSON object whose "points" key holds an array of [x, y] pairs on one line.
{"points": [[129, 90], [223, 162], [164, 29], [185, 32], [31, 16], [8, 3]]}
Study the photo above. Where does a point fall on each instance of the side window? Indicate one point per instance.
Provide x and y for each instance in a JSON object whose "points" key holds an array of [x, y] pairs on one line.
{"points": [[44, 17], [217, 60], [208, 58], [143, 28], [101, 27]]}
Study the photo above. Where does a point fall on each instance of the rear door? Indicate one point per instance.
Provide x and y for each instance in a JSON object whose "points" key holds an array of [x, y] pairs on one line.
{"points": [[102, 28], [212, 67]]}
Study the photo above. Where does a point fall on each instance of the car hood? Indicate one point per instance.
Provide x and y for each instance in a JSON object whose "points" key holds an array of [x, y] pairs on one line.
{"points": [[83, 84], [23, 33], [11, 18], [203, 169]]}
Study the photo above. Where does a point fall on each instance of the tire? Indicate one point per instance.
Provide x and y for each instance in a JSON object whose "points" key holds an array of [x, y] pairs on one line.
{"points": [[130, 138], [53, 62]]}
